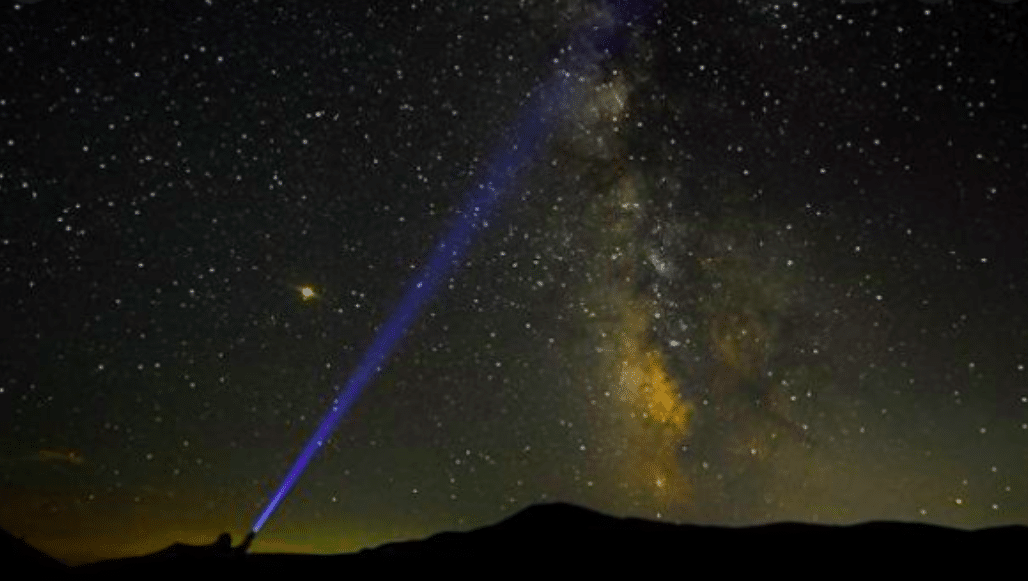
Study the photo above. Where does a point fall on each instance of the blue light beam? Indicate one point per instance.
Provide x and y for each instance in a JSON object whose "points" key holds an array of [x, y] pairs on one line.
{"points": [[592, 43]]}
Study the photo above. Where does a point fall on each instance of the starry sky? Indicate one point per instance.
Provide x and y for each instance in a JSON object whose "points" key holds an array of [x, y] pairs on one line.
{"points": [[770, 266]]}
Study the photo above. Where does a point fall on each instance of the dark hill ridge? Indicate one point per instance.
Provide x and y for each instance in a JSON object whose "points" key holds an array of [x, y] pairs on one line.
{"points": [[576, 538], [16, 552]]}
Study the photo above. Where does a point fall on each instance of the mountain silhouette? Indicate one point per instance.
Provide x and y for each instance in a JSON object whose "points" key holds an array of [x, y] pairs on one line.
{"points": [[580, 540], [16, 554]]}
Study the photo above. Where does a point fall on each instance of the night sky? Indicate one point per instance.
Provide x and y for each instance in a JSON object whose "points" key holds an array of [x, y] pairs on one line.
{"points": [[771, 266]]}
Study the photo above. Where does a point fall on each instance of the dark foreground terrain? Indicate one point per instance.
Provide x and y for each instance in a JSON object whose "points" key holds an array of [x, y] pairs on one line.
{"points": [[575, 540]]}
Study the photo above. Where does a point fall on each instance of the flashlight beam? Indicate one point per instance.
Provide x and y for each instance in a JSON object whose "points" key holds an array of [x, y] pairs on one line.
{"points": [[593, 42]]}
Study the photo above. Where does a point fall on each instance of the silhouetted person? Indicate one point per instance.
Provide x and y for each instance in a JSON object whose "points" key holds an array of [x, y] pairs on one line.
{"points": [[223, 545]]}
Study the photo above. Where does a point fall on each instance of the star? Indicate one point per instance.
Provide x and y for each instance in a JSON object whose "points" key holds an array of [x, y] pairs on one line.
{"points": [[307, 293]]}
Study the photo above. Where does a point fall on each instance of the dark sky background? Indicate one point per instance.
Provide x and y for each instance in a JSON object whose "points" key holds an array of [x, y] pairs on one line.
{"points": [[771, 267]]}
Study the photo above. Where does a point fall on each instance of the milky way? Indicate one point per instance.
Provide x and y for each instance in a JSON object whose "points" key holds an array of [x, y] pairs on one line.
{"points": [[769, 267]]}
